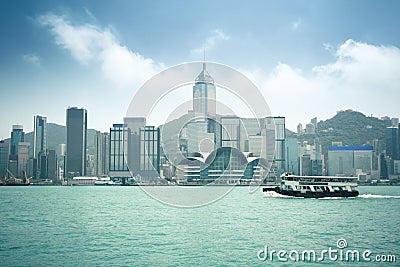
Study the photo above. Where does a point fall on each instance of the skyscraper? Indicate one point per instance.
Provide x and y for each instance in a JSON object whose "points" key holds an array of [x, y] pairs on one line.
{"points": [[48, 165], [23, 159], [392, 142], [230, 131], [383, 167], [292, 155], [102, 145], [63, 161], [4, 156], [204, 94], [149, 151], [305, 167], [135, 123], [39, 135], [52, 165], [119, 144], [42, 160], [17, 135], [279, 123], [253, 136], [76, 142], [345, 160], [39, 144]]}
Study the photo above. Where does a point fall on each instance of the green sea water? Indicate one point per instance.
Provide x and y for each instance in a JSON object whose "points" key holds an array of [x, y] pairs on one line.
{"points": [[122, 226]]}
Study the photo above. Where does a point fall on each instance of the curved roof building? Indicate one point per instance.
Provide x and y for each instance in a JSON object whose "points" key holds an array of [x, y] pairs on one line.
{"points": [[224, 165]]}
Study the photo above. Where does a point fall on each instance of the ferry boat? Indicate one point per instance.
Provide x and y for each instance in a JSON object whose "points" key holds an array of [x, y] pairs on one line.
{"points": [[315, 186], [104, 180]]}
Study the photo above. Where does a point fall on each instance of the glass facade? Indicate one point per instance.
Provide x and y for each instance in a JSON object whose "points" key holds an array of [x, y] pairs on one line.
{"points": [[204, 94], [17, 135], [251, 126], [135, 123], [39, 145], [230, 132], [276, 125], [4, 156], [149, 150], [48, 165], [23, 159], [340, 163], [396, 167], [251, 139], [226, 162], [43, 165], [346, 160], [224, 165], [392, 142], [39, 132], [292, 155], [101, 141], [76, 142], [119, 144], [363, 160], [255, 145], [198, 138]]}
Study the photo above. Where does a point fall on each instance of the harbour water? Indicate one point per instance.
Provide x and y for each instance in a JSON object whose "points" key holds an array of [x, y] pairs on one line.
{"points": [[122, 226]]}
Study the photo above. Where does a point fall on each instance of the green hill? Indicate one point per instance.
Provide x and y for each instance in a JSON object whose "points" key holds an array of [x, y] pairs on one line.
{"points": [[56, 135], [349, 127]]}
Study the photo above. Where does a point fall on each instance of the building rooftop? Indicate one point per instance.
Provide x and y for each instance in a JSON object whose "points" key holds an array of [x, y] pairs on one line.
{"points": [[333, 148], [17, 127], [204, 76]]}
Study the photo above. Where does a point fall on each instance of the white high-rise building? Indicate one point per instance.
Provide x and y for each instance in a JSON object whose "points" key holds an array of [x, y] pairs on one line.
{"points": [[204, 94]]}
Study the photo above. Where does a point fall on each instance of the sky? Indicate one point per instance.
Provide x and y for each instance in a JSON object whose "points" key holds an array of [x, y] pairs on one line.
{"points": [[308, 58]]}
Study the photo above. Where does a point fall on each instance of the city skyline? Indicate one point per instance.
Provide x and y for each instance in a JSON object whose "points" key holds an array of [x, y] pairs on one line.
{"points": [[136, 150], [73, 54]]}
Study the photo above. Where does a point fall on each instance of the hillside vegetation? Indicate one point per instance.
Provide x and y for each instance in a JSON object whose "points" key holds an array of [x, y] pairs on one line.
{"points": [[349, 127]]}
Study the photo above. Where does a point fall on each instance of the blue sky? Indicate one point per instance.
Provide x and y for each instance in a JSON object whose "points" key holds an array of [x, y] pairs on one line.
{"points": [[309, 58]]}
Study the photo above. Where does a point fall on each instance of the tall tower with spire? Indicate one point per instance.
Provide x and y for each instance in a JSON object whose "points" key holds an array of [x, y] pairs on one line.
{"points": [[204, 94]]}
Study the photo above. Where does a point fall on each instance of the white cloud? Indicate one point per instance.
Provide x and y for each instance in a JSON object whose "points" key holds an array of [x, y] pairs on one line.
{"points": [[89, 43], [363, 66], [31, 59], [211, 42], [363, 77]]}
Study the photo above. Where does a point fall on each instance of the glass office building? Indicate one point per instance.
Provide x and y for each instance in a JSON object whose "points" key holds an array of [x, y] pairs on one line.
{"points": [[4, 157], [102, 145], [149, 162], [17, 135], [39, 135], [76, 142], [119, 144], [345, 160], [204, 94]]}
